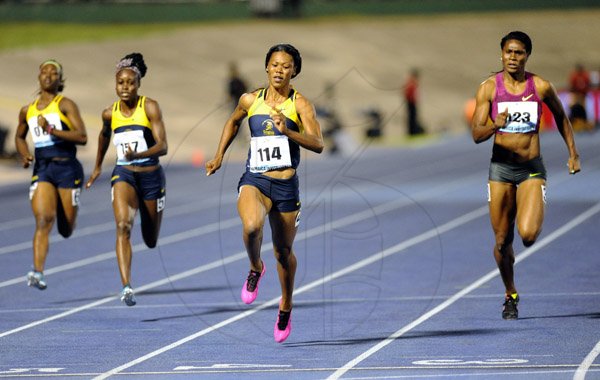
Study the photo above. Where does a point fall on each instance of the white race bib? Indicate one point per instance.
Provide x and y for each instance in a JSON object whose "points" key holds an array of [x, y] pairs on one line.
{"points": [[135, 140], [522, 116], [268, 153], [40, 137]]}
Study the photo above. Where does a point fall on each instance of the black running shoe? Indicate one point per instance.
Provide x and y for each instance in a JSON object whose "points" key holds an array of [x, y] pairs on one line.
{"points": [[509, 311]]}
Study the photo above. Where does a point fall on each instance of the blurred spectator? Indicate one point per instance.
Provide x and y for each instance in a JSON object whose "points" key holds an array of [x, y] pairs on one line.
{"points": [[3, 135], [579, 80], [411, 97], [236, 86], [338, 140], [579, 86], [375, 126], [595, 79]]}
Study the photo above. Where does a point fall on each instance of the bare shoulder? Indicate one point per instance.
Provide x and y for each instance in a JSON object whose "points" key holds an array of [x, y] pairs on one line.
{"points": [[487, 88], [248, 98], [543, 86], [107, 113], [67, 104], [489, 83], [302, 101], [149, 102]]}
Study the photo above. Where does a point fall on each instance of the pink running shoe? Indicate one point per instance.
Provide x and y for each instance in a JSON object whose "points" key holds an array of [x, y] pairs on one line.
{"points": [[250, 288], [283, 326]]}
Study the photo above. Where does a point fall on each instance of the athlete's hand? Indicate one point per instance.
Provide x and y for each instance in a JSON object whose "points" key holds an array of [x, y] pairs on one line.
{"points": [[93, 177], [26, 160], [501, 119], [574, 165], [130, 155], [43, 123], [213, 165], [279, 119]]}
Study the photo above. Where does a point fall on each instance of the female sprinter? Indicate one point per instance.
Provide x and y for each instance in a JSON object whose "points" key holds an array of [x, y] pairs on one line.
{"points": [[138, 180], [508, 107], [56, 128], [281, 121]]}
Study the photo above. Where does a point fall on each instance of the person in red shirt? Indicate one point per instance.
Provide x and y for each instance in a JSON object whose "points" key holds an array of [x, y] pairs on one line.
{"points": [[411, 88]]}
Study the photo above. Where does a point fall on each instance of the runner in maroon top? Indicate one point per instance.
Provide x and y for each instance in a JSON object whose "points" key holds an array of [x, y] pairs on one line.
{"points": [[508, 107]]}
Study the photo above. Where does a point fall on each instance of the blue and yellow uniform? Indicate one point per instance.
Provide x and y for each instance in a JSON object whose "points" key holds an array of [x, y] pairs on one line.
{"points": [[55, 159], [270, 150], [135, 132]]}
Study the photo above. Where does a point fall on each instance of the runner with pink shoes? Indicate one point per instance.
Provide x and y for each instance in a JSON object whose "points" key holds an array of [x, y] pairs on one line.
{"points": [[281, 121]]}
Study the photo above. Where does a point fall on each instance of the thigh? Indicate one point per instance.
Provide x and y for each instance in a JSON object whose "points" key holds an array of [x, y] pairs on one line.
{"points": [[44, 199], [283, 227], [502, 202], [69, 202], [530, 203], [252, 205], [125, 201]]}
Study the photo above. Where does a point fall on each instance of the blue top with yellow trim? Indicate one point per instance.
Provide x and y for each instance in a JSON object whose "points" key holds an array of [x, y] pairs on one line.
{"points": [[48, 146], [269, 148], [132, 132]]}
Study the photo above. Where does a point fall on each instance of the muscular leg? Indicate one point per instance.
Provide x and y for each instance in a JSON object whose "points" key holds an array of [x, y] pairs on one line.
{"points": [[253, 206], [530, 210], [66, 212], [502, 215], [151, 220], [125, 205], [283, 227], [43, 204]]}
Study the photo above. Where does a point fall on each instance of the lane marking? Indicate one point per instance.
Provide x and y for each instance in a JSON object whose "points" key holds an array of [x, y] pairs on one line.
{"points": [[108, 226], [482, 280], [432, 233], [232, 222], [348, 220], [587, 362]]}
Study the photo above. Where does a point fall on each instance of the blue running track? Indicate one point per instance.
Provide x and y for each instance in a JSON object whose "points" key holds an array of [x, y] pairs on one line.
{"points": [[396, 278]]}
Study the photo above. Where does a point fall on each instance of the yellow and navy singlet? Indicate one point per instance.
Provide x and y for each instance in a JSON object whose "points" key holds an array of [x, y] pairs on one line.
{"points": [[133, 132], [269, 149], [46, 145]]}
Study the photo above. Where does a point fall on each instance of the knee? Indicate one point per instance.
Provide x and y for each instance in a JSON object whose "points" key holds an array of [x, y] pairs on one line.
{"points": [[252, 228], [124, 228], [150, 241], [283, 254], [503, 242], [528, 243], [66, 230], [529, 237], [44, 222]]}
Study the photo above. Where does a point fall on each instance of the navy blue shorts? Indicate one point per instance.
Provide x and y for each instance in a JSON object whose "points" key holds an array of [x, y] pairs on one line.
{"points": [[516, 173], [148, 185], [284, 193], [65, 174]]}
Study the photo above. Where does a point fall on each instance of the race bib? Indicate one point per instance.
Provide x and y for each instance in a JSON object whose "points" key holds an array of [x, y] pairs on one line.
{"points": [[268, 153], [124, 141], [40, 137], [522, 117]]}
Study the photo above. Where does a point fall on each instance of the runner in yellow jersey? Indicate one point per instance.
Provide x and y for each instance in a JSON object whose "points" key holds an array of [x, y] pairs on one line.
{"points": [[56, 128], [281, 121], [138, 180]]}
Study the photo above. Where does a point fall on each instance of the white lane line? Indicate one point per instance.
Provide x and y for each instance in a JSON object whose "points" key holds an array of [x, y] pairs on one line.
{"points": [[213, 227], [587, 362], [108, 226], [137, 249], [526, 253], [348, 220], [432, 233]]}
